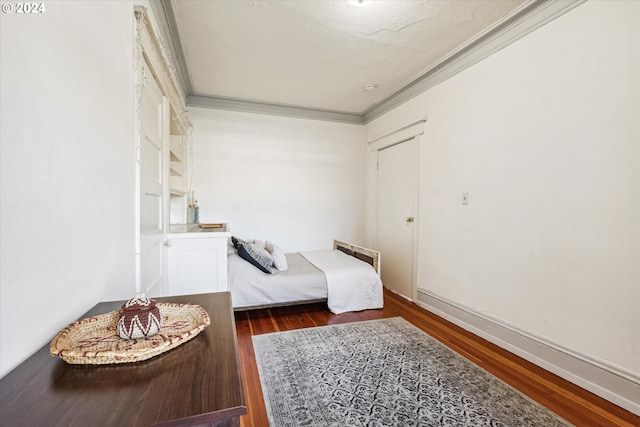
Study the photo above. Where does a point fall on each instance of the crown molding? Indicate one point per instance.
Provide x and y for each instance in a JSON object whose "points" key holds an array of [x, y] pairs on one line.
{"points": [[529, 17], [233, 104], [168, 24], [524, 20]]}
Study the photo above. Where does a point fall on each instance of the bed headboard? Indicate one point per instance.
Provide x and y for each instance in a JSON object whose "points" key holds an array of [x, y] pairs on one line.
{"points": [[364, 254]]}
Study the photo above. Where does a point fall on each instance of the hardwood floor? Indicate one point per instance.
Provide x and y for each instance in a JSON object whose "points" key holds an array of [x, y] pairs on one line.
{"points": [[571, 402]]}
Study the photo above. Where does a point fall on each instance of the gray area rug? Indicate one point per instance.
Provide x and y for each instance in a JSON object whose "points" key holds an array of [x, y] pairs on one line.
{"points": [[382, 372]]}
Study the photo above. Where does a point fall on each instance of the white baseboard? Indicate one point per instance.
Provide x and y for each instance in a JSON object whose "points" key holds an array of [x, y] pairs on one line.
{"points": [[615, 385]]}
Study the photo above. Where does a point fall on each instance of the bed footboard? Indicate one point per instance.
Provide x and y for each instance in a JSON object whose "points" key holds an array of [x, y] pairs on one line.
{"points": [[364, 254]]}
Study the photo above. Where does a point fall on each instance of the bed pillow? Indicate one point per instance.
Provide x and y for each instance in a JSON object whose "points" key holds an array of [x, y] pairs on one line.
{"points": [[236, 242], [231, 247], [257, 242], [252, 256], [259, 247], [268, 246], [279, 258]]}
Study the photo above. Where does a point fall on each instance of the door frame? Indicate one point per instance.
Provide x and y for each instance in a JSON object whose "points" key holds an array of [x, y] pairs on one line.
{"points": [[410, 131], [150, 50]]}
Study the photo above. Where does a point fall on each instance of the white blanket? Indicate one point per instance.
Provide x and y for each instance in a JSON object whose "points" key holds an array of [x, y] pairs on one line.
{"points": [[251, 287], [352, 285]]}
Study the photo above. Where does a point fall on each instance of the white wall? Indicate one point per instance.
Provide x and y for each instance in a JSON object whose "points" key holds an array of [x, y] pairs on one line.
{"points": [[545, 137], [296, 182], [67, 168]]}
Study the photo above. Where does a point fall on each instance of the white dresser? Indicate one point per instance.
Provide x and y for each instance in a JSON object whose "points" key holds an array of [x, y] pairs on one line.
{"points": [[197, 259]]}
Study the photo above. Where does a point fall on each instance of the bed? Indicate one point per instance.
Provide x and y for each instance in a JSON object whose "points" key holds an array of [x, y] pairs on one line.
{"points": [[347, 278]]}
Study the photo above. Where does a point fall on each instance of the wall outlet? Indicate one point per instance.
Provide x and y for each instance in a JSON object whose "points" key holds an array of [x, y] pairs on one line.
{"points": [[465, 198]]}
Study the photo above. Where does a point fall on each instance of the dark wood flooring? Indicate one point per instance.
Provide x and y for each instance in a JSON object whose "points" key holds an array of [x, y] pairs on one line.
{"points": [[571, 402]]}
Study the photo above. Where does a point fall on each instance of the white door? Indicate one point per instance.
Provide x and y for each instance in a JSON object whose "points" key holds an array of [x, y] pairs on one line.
{"points": [[397, 204], [154, 115]]}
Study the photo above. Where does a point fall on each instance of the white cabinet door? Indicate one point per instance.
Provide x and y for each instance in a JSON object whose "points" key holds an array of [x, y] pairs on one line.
{"points": [[197, 265]]}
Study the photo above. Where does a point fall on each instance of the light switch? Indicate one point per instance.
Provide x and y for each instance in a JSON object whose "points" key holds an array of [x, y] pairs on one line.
{"points": [[465, 198]]}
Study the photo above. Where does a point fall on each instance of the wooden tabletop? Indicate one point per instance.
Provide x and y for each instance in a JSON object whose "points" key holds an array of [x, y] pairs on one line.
{"points": [[198, 382]]}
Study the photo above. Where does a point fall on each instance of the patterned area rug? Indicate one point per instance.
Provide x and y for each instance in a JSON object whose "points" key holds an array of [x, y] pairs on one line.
{"points": [[382, 373]]}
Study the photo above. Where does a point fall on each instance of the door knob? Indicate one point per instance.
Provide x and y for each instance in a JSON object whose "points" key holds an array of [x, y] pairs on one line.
{"points": [[409, 219], [168, 243]]}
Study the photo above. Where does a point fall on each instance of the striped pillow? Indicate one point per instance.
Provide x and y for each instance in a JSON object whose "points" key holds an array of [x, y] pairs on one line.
{"points": [[259, 248], [236, 242], [252, 256]]}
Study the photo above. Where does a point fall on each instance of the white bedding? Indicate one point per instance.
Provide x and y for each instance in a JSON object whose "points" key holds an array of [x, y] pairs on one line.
{"points": [[251, 287], [352, 285], [347, 283]]}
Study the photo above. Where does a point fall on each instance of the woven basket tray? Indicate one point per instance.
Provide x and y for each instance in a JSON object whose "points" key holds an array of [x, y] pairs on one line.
{"points": [[95, 340]]}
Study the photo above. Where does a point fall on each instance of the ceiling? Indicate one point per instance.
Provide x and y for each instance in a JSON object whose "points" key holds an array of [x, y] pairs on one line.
{"points": [[317, 56]]}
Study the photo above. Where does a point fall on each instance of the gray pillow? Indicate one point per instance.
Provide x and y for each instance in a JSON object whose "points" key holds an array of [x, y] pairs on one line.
{"points": [[252, 256], [236, 242]]}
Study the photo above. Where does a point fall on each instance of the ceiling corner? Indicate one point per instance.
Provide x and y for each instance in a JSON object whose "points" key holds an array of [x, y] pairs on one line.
{"points": [[529, 17]]}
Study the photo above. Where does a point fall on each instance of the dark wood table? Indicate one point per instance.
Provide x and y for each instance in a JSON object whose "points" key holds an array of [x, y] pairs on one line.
{"points": [[196, 383]]}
